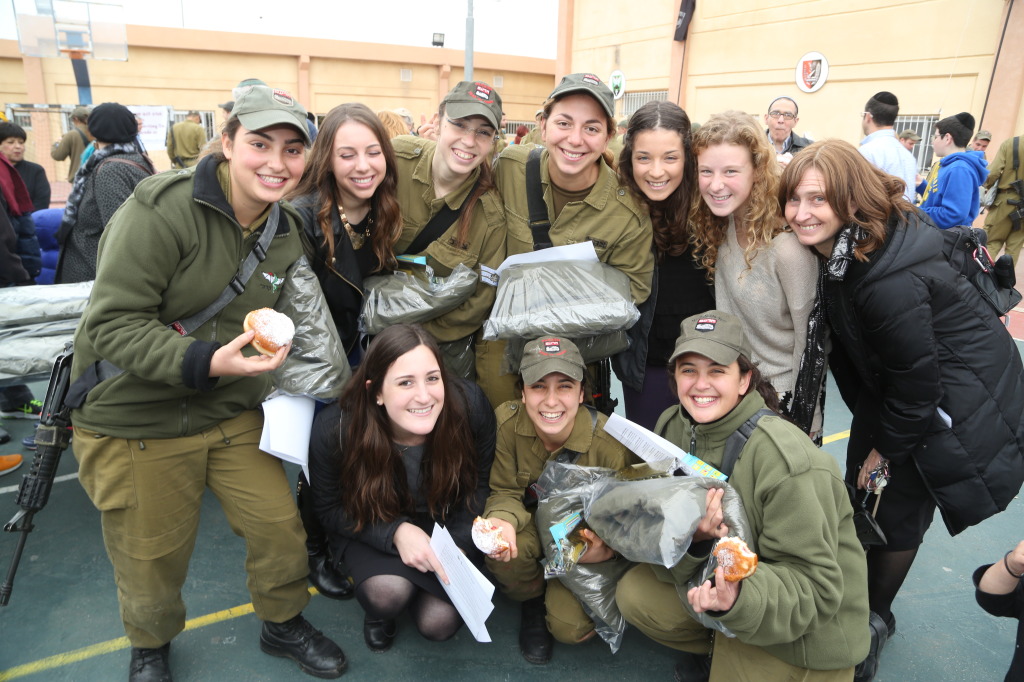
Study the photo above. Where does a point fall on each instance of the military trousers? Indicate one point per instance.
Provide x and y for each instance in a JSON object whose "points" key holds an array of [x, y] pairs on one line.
{"points": [[149, 493]]}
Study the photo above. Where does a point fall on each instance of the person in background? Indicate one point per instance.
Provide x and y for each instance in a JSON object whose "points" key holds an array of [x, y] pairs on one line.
{"points": [[407, 446], [1002, 229], [908, 138], [185, 140], [407, 118], [761, 273], [880, 146], [658, 166], [999, 589], [952, 196], [615, 144], [534, 136], [982, 139], [12, 146], [225, 109], [545, 424], [521, 132], [101, 186], [394, 125], [783, 115], [74, 142], [934, 382], [802, 614]]}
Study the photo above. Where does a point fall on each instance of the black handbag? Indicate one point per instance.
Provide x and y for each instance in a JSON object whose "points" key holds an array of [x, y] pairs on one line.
{"points": [[869, 532]]}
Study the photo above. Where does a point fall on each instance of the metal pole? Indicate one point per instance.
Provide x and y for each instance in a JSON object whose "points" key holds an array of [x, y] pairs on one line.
{"points": [[469, 42]]}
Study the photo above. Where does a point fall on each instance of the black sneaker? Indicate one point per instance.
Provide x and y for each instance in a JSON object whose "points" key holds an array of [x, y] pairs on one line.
{"points": [[692, 667], [535, 642], [298, 640], [150, 665], [865, 671], [4, 436], [30, 410]]}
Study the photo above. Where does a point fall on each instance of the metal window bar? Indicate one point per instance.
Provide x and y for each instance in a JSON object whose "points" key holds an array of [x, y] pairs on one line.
{"points": [[631, 101], [923, 126]]}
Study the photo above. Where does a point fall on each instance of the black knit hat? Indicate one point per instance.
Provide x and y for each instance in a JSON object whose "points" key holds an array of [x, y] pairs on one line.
{"points": [[113, 122]]}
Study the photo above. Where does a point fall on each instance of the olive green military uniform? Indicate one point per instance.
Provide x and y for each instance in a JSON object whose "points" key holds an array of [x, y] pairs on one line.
{"points": [[609, 217], [186, 139], [70, 147], [997, 219], [519, 460], [532, 137], [484, 246]]}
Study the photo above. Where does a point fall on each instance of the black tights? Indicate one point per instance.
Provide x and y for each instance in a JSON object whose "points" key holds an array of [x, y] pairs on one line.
{"points": [[886, 573], [385, 597]]}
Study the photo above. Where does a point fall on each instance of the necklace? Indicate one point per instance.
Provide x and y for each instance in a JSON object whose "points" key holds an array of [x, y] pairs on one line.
{"points": [[357, 238]]}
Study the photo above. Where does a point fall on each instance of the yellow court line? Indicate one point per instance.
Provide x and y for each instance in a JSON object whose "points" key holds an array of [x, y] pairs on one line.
{"points": [[113, 645], [202, 621]]}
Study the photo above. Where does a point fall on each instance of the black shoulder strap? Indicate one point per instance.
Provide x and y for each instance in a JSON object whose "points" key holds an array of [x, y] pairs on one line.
{"points": [[439, 223], [738, 440], [571, 456], [85, 140], [1016, 153], [540, 226], [237, 283]]}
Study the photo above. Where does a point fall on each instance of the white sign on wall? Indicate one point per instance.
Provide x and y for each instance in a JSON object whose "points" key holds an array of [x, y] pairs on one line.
{"points": [[617, 82], [811, 72], [154, 125]]}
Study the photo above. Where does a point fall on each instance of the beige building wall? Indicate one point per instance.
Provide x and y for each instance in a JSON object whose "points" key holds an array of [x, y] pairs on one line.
{"points": [[937, 56], [188, 69]]}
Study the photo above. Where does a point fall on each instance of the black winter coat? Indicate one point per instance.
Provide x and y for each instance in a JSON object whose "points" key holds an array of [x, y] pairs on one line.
{"points": [[919, 339]]}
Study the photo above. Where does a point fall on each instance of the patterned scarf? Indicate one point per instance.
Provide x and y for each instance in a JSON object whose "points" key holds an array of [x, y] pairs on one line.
{"points": [[814, 361], [84, 171]]}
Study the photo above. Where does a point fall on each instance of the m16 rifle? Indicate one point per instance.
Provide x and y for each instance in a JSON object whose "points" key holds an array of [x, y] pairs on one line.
{"points": [[1017, 215], [52, 438]]}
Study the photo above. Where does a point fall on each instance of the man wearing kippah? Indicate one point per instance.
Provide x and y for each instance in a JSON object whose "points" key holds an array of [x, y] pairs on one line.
{"points": [[952, 196], [880, 145]]}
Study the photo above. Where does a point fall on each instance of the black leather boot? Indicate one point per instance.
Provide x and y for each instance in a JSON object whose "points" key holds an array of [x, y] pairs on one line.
{"points": [[865, 672], [150, 665], [535, 642], [327, 579], [298, 640], [693, 667], [379, 634]]}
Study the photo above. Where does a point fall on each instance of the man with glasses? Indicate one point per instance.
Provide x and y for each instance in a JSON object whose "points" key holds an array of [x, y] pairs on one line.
{"points": [[781, 118], [880, 145]]}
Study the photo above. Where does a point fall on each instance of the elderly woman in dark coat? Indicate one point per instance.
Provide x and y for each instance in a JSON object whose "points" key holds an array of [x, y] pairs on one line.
{"points": [[102, 184]]}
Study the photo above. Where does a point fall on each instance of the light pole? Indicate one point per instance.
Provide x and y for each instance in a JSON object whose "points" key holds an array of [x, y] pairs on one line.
{"points": [[469, 42]]}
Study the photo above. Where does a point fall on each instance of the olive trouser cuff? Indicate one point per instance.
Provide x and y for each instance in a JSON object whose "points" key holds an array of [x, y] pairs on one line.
{"points": [[150, 492]]}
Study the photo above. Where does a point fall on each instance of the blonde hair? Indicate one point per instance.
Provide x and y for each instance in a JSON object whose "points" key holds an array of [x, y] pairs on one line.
{"points": [[394, 125], [760, 213]]}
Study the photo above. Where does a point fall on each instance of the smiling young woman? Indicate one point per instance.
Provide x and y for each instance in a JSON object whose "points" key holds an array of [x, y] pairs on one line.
{"points": [[406, 445], [761, 273]]}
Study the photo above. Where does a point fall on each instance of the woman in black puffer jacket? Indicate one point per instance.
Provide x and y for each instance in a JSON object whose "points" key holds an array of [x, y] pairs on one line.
{"points": [[933, 379]]}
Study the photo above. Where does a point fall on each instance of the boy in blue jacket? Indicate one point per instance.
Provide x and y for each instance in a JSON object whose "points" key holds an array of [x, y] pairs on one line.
{"points": [[951, 196]]}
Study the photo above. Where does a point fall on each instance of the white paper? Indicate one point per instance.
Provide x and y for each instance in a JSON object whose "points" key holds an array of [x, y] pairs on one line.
{"points": [[468, 588], [583, 251], [649, 446], [287, 423]]}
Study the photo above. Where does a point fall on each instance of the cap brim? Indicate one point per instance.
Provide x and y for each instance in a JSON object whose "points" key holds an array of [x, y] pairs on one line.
{"points": [[268, 118], [716, 351], [467, 109], [589, 91], [538, 371]]}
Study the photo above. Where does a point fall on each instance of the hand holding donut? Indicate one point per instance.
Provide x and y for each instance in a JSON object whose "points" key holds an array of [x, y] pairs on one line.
{"points": [[718, 597], [228, 360]]}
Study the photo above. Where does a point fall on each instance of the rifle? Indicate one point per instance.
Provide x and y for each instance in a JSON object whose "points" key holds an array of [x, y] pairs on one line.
{"points": [[1017, 215], [602, 391], [52, 438]]}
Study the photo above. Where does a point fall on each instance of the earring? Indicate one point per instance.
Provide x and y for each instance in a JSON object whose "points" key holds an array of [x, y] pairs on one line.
{"points": [[380, 403]]}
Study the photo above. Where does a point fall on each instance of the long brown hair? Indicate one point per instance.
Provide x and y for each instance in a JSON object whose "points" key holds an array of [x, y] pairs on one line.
{"points": [[318, 179], [669, 217], [485, 185], [760, 214], [849, 180], [373, 479]]}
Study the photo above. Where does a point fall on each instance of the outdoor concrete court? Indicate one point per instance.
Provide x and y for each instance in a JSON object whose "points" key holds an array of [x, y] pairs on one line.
{"points": [[62, 622]]}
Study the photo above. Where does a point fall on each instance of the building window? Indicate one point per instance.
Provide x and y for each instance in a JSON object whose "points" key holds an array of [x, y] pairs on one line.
{"points": [[923, 126], [631, 101]]}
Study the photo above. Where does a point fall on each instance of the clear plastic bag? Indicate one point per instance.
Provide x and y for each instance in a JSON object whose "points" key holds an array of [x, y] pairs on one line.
{"points": [[316, 365], [43, 303], [564, 489], [573, 299], [413, 295]]}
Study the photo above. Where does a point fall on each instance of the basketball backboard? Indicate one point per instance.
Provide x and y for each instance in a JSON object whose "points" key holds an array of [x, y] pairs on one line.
{"points": [[80, 29]]}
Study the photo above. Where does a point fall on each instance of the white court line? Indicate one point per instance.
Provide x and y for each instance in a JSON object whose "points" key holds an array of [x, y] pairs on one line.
{"points": [[58, 479]]}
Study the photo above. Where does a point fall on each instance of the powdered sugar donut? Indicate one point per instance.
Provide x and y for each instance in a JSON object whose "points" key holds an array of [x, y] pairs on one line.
{"points": [[487, 537], [735, 558], [273, 330]]}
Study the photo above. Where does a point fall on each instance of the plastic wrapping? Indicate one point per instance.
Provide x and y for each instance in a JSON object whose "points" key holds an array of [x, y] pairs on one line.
{"points": [[592, 349], [35, 324], [316, 365], [566, 488], [573, 299], [460, 357], [414, 295]]}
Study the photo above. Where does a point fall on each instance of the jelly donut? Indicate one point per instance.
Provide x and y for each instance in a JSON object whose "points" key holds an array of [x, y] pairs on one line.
{"points": [[273, 330], [735, 558]]}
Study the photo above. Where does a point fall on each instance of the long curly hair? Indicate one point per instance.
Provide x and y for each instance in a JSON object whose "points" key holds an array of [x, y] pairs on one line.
{"points": [[849, 180], [373, 480], [319, 179], [669, 217], [759, 215]]}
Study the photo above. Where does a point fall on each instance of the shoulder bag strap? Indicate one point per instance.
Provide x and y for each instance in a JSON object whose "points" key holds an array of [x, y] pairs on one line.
{"points": [[540, 226], [439, 224], [1016, 153], [738, 440], [238, 282]]}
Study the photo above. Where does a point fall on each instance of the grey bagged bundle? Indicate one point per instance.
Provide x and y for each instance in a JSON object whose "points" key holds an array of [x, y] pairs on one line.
{"points": [[408, 297]]}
